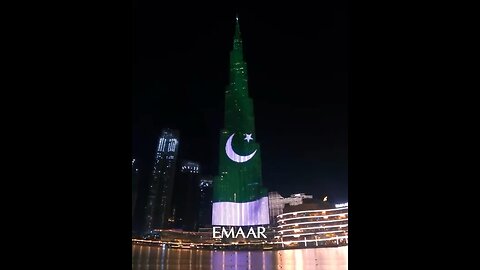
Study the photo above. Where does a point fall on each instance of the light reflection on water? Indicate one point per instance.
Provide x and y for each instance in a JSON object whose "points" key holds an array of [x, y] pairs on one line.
{"points": [[159, 258]]}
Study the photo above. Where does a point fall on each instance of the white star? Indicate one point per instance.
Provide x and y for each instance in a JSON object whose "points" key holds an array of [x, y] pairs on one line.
{"points": [[248, 137]]}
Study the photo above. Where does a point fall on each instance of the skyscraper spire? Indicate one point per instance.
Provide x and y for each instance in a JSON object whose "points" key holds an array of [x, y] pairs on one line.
{"points": [[236, 55], [239, 199], [237, 29], [238, 106]]}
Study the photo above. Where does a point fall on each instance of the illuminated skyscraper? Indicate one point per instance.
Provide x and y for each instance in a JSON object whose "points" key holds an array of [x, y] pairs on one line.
{"points": [[239, 199], [276, 203], [159, 199], [186, 196]]}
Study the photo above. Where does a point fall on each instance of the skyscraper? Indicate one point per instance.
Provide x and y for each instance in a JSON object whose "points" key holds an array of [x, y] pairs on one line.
{"points": [[161, 186], [205, 203], [239, 199], [186, 196], [134, 185], [276, 203]]}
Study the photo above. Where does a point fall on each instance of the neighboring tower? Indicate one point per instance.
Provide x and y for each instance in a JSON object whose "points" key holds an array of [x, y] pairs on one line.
{"points": [[205, 203], [161, 186], [186, 197], [276, 203], [239, 199], [134, 185]]}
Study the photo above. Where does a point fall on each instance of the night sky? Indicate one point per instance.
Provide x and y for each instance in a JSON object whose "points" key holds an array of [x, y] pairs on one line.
{"points": [[298, 78]]}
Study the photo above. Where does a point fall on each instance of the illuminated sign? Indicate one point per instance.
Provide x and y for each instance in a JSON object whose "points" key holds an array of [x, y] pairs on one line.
{"points": [[341, 205], [222, 232]]}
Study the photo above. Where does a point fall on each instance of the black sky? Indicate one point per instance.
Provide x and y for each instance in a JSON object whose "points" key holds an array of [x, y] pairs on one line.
{"points": [[298, 77]]}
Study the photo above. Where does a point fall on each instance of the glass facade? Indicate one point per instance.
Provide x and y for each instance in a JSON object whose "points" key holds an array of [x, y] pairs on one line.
{"points": [[159, 199], [186, 197]]}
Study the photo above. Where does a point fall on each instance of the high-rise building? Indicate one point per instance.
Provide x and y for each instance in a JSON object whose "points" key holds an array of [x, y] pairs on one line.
{"points": [[205, 203], [276, 203], [309, 204], [161, 186], [312, 224], [134, 185], [186, 197], [239, 199]]}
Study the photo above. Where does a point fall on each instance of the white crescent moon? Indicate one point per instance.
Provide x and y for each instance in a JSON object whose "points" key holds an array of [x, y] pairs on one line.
{"points": [[234, 156]]}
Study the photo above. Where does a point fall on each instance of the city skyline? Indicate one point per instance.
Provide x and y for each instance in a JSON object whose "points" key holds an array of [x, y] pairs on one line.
{"points": [[181, 86]]}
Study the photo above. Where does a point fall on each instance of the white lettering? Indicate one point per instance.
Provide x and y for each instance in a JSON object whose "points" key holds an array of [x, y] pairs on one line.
{"points": [[240, 231], [227, 235], [215, 231], [251, 231], [260, 231], [221, 232]]}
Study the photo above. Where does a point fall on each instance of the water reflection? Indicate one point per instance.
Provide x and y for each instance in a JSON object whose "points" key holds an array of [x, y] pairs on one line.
{"points": [[159, 258]]}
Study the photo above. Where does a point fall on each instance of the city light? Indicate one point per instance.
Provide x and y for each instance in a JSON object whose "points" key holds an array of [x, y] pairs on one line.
{"points": [[341, 205], [319, 227], [304, 217], [310, 222], [310, 211], [230, 217]]}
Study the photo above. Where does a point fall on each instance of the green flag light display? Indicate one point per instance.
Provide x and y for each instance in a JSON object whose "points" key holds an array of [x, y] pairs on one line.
{"points": [[239, 199]]}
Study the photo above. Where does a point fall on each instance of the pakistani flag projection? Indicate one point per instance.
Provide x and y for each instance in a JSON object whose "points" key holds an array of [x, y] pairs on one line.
{"points": [[238, 196]]}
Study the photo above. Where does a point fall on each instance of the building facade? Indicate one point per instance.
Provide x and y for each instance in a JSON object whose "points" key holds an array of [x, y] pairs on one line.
{"points": [[160, 191], [239, 199], [186, 197], [205, 203], [276, 203], [313, 228]]}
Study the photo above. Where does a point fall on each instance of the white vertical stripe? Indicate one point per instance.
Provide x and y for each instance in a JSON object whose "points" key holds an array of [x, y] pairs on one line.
{"points": [[241, 214]]}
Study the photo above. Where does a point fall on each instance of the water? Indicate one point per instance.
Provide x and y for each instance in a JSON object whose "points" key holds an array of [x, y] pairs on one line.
{"points": [[153, 257]]}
